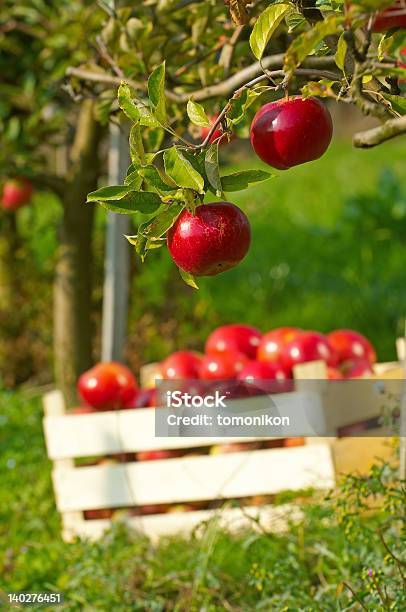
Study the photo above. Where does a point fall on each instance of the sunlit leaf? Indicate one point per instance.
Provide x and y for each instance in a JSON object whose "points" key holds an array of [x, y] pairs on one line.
{"points": [[266, 25]]}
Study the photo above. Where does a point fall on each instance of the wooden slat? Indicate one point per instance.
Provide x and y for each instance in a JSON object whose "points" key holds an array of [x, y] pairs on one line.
{"points": [[348, 402], [107, 433], [359, 454], [194, 478], [401, 349], [272, 518], [385, 367], [54, 406]]}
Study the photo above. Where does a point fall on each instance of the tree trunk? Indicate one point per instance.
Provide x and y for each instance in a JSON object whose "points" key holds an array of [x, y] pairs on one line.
{"points": [[73, 278], [8, 247]]}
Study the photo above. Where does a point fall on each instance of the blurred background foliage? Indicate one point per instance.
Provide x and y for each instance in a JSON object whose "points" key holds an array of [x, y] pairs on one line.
{"points": [[328, 251]]}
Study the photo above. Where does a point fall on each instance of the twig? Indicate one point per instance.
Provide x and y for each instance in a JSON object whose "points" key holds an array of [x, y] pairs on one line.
{"points": [[227, 53], [375, 136], [399, 562], [222, 89], [106, 55], [349, 587]]}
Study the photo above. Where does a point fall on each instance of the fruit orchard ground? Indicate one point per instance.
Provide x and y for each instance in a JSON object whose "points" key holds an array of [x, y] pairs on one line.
{"points": [[251, 571]]}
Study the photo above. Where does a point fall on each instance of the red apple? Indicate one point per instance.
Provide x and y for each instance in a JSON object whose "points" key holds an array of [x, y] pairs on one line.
{"points": [[291, 442], [153, 455], [271, 345], [357, 368], [108, 386], [222, 366], [291, 131], [217, 134], [154, 509], [16, 193], [334, 374], [211, 241], [392, 17], [234, 337], [102, 513], [350, 344], [276, 443], [267, 376], [262, 370], [308, 346], [238, 389], [233, 447], [181, 365]]}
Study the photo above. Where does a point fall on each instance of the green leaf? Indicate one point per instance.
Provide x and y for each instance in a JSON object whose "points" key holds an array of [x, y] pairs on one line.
{"points": [[112, 192], [126, 103], [188, 278], [156, 92], [155, 179], [197, 114], [137, 152], [134, 180], [136, 201], [236, 113], [266, 25], [307, 42], [147, 117], [245, 178], [180, 170], [294, 21], [163, 222], [211, 163], [398, 103], [341, 52]]}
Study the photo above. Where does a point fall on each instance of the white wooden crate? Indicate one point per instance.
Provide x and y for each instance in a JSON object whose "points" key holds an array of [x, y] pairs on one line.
{"points": [[169, 481], [196, 478]]}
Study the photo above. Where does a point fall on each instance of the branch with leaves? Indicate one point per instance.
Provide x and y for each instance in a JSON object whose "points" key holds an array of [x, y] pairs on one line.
{"points": [[330, 51]]}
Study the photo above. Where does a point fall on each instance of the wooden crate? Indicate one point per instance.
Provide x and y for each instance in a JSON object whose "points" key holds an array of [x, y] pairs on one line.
{"points": [[129, 485]]}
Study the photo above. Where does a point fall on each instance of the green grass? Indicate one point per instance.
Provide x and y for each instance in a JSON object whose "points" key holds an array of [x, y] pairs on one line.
{"points": [[212, 570]]}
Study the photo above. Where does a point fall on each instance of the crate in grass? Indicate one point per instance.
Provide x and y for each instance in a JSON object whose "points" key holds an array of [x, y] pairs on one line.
{"points": [[189, 481], [192, 479]]}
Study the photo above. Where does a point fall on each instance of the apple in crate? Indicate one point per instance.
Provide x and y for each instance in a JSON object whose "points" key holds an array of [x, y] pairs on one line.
{"points": [[222, 366], [357, 368], [234, 338], [102, 513], [292, 442], [272, 343], [266, 376], [233, 447], [350, 344], [308, 346], [108, 386], [181, 365], [154, 509], [334, 374], [153, 455]]}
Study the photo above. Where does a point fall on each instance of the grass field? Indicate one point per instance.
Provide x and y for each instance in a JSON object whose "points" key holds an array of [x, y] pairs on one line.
{"points": [[300, 570]]}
